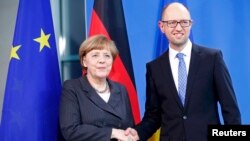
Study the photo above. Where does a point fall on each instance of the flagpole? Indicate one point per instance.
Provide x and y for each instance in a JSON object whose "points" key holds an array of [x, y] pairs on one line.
{"points": [[86, 19]]}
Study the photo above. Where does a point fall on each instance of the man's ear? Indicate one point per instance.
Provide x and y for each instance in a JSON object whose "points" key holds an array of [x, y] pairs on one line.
{"points": [[161, 26]]}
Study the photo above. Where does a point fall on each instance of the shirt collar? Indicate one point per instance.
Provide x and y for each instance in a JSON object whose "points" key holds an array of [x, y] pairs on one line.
{"points": [[186, 51]]}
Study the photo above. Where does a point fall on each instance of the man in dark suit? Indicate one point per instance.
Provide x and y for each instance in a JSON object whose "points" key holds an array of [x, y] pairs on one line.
{"points": [[184, 109]]}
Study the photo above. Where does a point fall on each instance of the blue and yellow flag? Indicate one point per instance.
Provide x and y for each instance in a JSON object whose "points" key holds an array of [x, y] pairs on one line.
{"points": [[162, 46], [161, 40], [32, 93]]}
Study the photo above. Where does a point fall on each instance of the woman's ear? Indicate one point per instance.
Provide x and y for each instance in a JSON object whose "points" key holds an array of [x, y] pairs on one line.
{"points": [[84, 62]]}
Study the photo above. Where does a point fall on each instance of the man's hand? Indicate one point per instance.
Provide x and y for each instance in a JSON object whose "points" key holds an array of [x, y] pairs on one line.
{"points": [[132, 132], [120, 135]]}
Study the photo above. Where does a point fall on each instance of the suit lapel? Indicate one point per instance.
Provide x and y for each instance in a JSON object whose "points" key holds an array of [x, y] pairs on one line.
{"points": [[167, 74], [115, 99], [193, 68], [98, 101]]}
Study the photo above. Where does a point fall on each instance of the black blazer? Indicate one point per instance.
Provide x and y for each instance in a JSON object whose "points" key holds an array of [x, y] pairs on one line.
{"points": [[85, 116], [209, 82]]}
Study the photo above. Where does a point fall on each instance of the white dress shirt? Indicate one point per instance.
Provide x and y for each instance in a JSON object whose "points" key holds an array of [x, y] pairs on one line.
{"points": [[174, 61]]}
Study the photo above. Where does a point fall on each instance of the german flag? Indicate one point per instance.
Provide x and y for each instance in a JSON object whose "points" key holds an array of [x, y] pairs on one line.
{"points": [[108, 19]]}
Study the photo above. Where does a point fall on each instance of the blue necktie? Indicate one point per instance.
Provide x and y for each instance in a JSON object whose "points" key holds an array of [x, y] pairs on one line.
{"points": [[182, 77]]}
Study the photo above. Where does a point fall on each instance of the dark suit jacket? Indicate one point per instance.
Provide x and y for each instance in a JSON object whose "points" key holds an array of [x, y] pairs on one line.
{"points": [[85, 116], [209, 82]]}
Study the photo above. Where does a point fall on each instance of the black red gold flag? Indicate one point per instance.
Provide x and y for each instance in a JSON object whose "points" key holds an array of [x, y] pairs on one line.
{"points": [[108, 19]]}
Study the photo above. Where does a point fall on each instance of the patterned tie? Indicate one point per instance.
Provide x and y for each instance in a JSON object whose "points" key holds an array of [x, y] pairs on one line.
{"points": [[182, 77]]}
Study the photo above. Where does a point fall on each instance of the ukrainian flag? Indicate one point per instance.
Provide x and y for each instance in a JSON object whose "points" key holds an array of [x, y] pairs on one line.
{"points": [[161, 46]]}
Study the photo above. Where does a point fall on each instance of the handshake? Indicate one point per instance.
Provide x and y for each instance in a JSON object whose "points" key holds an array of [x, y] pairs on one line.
{"points": [[129, 134]]}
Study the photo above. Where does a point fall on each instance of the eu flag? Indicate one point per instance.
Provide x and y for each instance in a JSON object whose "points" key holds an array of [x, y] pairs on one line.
{"points": [[32, 93]]}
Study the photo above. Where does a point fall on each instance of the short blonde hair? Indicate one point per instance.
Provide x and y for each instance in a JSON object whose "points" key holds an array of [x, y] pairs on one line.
{"points": [[98, 42]]}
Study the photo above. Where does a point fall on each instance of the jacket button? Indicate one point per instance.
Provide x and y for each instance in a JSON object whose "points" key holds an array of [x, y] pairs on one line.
{"points": [[184, 117], [119, 125]]}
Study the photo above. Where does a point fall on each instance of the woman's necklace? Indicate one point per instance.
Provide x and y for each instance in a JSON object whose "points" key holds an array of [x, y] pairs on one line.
{"points": [[102, 91]]}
